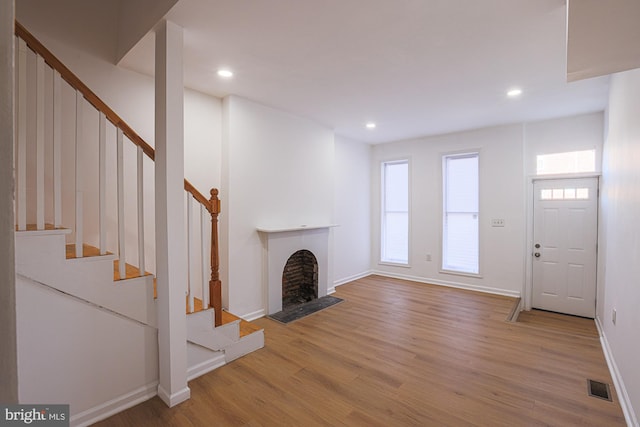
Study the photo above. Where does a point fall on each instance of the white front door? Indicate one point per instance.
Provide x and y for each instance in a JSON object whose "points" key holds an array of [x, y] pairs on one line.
{"points": [[565, 222]]}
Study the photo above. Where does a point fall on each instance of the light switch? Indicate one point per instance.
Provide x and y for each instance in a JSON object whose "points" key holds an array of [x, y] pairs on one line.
{"points": [[497, 222]]}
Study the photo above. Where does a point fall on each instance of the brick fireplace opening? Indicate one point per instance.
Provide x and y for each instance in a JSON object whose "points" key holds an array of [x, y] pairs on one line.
{"points": [[299, 279], [278, 245]]}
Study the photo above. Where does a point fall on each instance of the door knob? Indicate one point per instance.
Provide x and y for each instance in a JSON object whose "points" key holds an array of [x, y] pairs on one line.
{"points": [[537, 245], [537, 254]]}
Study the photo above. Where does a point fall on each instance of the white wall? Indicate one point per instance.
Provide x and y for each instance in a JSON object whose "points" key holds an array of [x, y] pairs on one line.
{"points": [[202, 140], [507, 161], [75, 353], [501, 196], [8, 356], [576, 133], [352, 207], [278, 172], [620, 207]]}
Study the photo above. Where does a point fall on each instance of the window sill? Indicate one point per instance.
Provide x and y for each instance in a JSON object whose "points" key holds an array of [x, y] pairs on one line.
{"points": [[461, 273], [394, 264]]}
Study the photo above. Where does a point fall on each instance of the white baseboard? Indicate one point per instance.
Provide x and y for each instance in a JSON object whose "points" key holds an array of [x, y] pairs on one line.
{"points": [[253, 316], [112, 407], [174, 399], [485, 289], [350, 279], [623, 396], [205, 367]]}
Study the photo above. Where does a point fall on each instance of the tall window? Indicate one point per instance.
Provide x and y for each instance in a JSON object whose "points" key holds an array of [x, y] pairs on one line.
{"points": [[395, 212], [460, 239]]}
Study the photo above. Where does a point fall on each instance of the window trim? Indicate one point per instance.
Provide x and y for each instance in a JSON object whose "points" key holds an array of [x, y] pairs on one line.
{"points": [[443, 156], [398, 160]]}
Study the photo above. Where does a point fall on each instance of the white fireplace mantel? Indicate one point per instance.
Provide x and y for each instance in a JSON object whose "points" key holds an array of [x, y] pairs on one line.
{"points": [[279, 243], [293, 228]]}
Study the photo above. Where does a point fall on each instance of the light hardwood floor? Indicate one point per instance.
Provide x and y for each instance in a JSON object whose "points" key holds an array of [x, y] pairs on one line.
{"points": [[397, 353]]}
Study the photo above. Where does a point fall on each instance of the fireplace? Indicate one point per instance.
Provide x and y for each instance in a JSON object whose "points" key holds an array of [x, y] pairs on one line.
{"points": [[299, 279], [279, 245]]}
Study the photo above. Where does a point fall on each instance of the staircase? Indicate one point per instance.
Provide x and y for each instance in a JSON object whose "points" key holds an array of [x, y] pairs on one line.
{"points": [[85, 269]]}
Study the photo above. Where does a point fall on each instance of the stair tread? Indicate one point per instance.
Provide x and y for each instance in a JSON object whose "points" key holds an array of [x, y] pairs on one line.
{"points": [[87, 251], [131, 271], [246, 328], [48, 227]]}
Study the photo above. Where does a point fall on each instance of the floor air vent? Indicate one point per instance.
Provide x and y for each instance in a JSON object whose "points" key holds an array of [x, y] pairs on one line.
{"points": [[599, 390]]}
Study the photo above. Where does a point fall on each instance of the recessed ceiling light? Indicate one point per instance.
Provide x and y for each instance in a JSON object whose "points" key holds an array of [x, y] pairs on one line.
{"points": [[370, 125], [515, 92], [225, 73]]}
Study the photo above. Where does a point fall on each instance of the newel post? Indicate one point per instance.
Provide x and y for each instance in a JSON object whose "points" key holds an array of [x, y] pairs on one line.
{"points": [[215, 285]]}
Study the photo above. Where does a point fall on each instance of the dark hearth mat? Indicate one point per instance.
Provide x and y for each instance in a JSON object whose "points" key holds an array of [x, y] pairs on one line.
{"points": [[302, 310]]}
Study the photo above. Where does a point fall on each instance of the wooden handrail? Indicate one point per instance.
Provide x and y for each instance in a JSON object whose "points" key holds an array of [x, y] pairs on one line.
{"points": [[188, 187], [212, 205], [73, 80]]}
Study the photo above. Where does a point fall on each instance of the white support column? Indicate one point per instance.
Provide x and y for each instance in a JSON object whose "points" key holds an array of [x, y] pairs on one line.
{"points": [[170, 234], [8, 331]]}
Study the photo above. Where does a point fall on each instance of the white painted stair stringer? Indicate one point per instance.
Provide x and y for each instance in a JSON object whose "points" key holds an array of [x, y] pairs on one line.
{"points": [[41, 256], [245, 345], [200, 330], [226, 338], [201, 360]]}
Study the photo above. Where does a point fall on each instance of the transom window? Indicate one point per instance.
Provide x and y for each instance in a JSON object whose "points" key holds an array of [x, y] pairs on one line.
{"points": [[569, 162]]}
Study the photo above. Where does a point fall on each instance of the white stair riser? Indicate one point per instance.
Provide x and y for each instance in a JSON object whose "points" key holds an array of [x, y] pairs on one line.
{"points": [[31, 247], [202, 323], [88, 278], [245, 345]]}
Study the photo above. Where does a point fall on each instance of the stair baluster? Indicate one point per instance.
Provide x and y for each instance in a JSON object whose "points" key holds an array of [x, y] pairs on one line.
{"points": [[120, 191], [21, 163], [190, 239], [102, 183], [140, 159], [79, 199], [40, 143], [205, 256], [57, 150], [208, 241]]}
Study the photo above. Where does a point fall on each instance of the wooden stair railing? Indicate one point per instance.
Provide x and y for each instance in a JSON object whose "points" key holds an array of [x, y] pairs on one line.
{"points": [[215, 285], [212, 205]]}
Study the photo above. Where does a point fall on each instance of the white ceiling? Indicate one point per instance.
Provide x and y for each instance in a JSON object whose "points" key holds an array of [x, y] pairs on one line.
{"points": [[415, 67]]}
